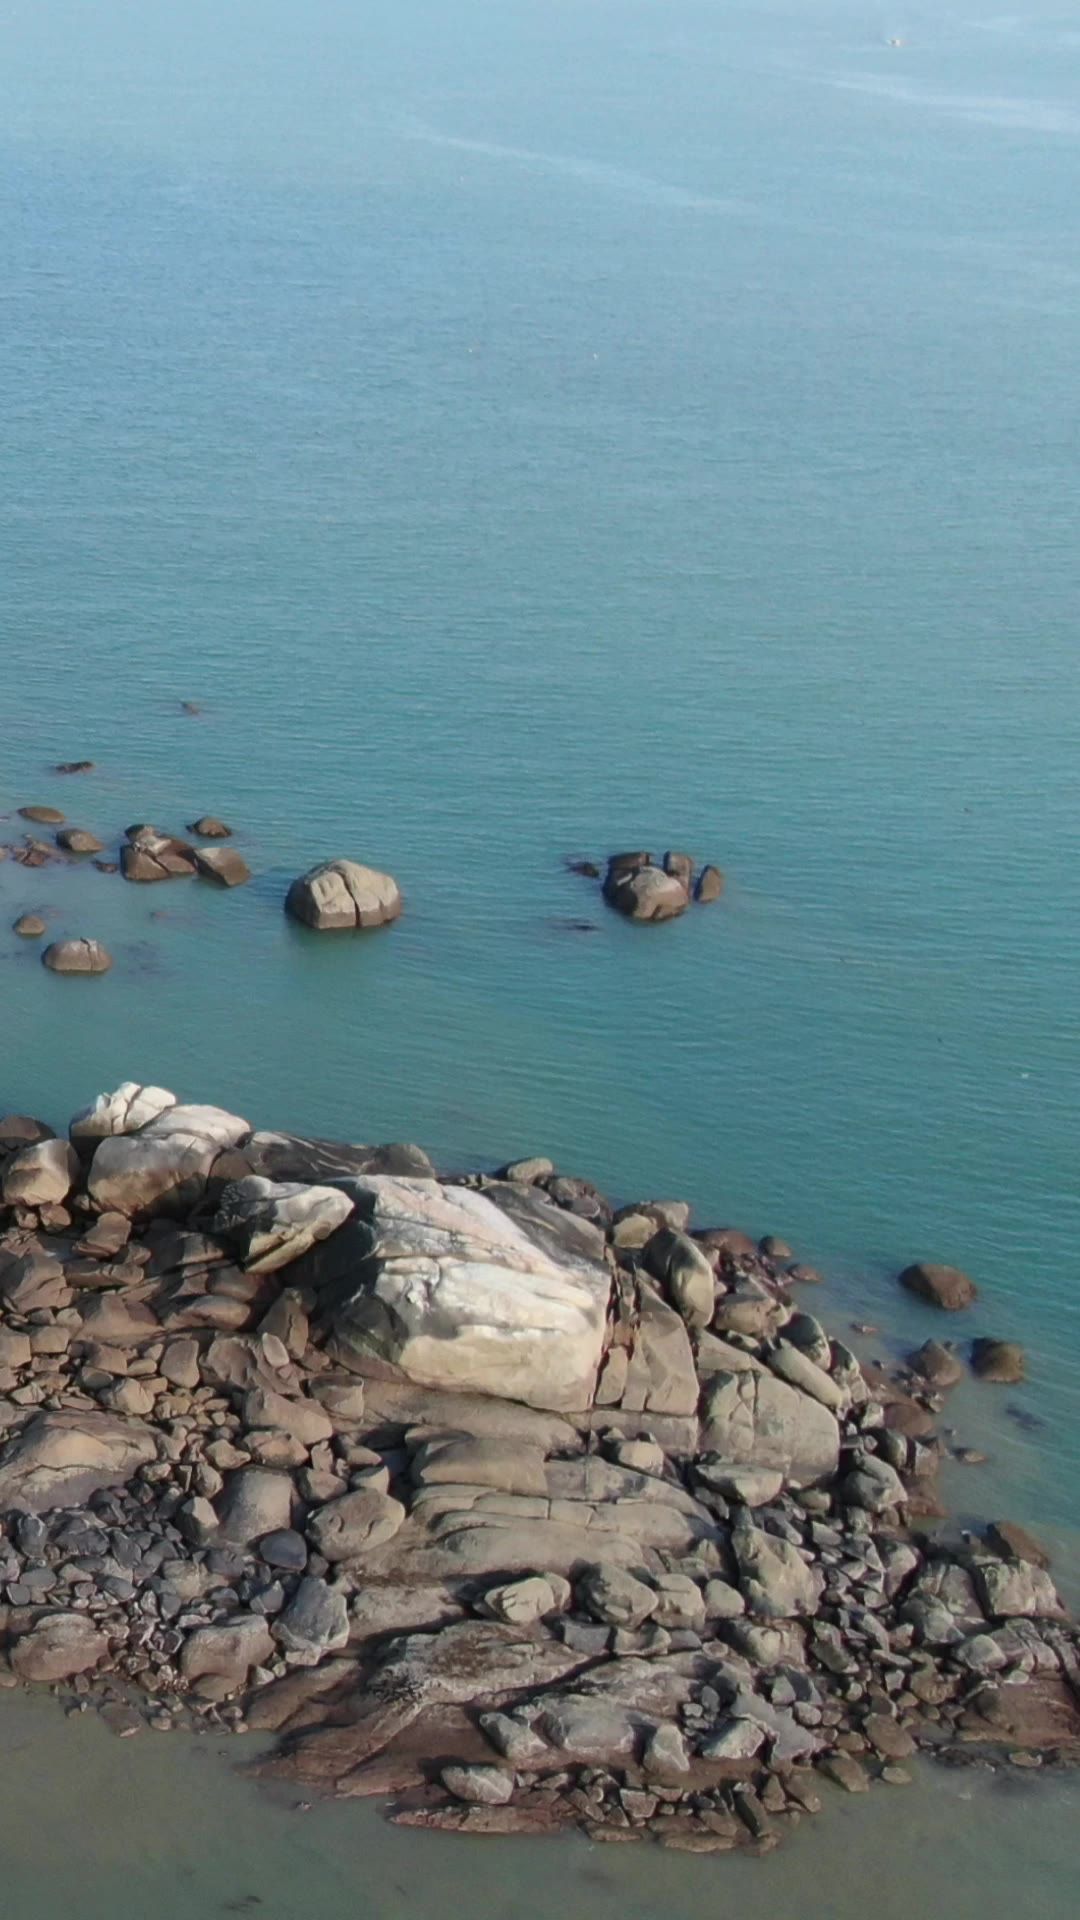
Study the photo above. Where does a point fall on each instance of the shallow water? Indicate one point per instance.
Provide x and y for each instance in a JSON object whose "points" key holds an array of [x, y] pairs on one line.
{"points": [[529, 430]]}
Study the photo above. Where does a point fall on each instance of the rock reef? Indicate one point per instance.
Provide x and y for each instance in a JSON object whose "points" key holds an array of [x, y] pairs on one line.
{"points": [[515, 1509]]}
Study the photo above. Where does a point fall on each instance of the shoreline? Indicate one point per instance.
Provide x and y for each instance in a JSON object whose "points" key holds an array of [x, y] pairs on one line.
{"points": [[519, 1510]]}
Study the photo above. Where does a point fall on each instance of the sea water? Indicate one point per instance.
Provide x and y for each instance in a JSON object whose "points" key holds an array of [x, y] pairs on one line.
{"points": [[525, 430]]}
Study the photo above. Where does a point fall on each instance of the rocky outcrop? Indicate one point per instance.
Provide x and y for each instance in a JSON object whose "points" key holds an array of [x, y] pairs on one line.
{"points": [[342, 894], [645, 894], [511, 1507]]}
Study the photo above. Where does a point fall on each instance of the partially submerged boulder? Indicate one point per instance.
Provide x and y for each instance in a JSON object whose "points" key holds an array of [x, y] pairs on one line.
{"points": [[77, 956], [647, 893], [150, 856], [946, 1287], [222, 864], [342, 894]]}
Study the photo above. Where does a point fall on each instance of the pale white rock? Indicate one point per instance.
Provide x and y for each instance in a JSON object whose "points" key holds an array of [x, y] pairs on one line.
{"points": [[460, 1294], [797, 1368], [125, 1111], [164, 1166]]}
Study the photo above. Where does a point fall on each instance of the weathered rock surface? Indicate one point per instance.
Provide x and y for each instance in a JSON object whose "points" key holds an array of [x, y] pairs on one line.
{"points": [[77, 840], [753, 1419], [163, 1165], [61, 1459], [1002, 1361], [40, 1175], [447, 1289], [646, 894], [342, 894], [149, 856], [58, 1646]]}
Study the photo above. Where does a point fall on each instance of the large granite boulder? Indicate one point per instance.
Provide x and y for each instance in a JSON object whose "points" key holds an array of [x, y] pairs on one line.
{"points": [[56, 1646], [163, 1165], [267, 1224], [441, 1286], [40, 1175], [344, 894], [60, 1459], [754, 1419]]}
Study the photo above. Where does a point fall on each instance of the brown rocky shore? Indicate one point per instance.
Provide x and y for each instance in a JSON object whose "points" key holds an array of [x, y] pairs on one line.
{"points": [[514, 1509]]}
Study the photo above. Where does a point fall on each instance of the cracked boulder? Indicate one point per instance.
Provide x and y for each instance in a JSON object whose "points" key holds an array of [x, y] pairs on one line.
{"points": [[266, 1224], [342, 894]]}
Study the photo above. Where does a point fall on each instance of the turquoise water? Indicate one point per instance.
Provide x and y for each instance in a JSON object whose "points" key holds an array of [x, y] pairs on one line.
{"points": [[526, 430]]}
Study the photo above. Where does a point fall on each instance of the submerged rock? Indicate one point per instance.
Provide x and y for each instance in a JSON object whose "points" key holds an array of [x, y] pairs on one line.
{"points": [[999, 1360], [946, 1287], [77, 840]]}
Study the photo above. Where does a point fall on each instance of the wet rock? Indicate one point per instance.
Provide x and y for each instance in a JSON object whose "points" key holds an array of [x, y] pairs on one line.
{"points": [[77, 840], [845, 1772], [710, 885], [57, 1646], [342, 894], [149, 856], [223, 865], [945, 1287], [77, 956], [681, 868], [1002, 1361], [29, 926], [209, 828], [267, 1224], [937, 1364], [645, 894], [1016, 1543], [42, 816], [75, 766]]}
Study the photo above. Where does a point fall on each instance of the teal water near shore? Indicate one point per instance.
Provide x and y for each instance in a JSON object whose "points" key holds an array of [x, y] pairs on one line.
{"points": [[525, 430]]}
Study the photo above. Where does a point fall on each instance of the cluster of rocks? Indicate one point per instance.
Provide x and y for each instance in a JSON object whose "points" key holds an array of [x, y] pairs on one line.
{"points": [[643, 891], [486, 1497]]}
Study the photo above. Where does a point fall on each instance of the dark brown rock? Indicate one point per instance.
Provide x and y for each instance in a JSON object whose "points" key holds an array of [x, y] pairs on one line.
{"points": [[42, 816], [30, 926], [999, 1360], [937, 1364], [75, 766], [1016, 1543], [208, 828], [946, 1287], [77, 840]]}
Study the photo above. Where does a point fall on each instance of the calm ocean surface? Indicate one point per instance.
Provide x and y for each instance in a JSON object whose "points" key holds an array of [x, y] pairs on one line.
{"points": [[527, 429]]}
